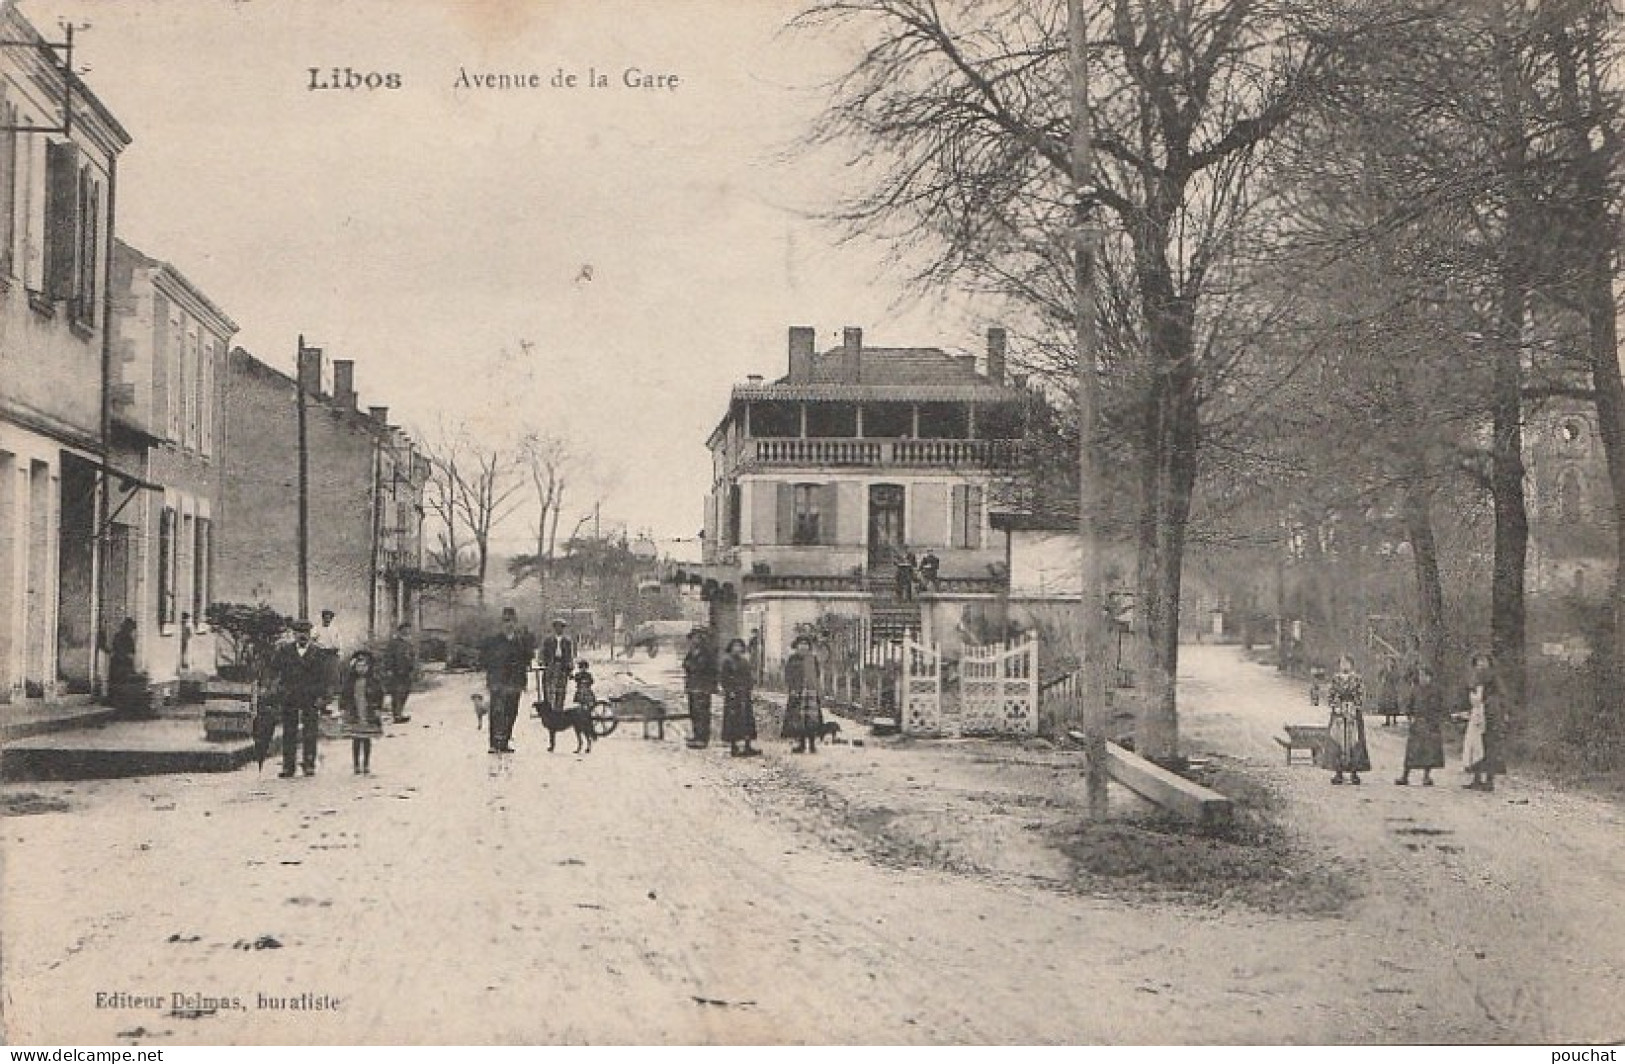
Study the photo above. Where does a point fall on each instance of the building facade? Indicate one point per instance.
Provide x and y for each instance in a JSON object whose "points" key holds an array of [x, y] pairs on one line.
{"points": [[825, 478], [365, 497], [168, 425], [59, 148]]}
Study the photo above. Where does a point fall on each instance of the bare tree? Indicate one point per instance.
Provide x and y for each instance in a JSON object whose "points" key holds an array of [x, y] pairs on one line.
{"points": [[958, 116], [546, 460], [474, 489]]}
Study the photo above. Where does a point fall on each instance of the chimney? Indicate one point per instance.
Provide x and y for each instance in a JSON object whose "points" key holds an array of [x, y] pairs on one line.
{"points": [[852, 354], [995, 355], [802, 339], [310, 370], [344, 383], [379, 414]]}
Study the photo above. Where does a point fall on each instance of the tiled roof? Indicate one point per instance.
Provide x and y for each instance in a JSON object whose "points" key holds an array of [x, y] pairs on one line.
{"points": [[980, 392], [897, 365]]}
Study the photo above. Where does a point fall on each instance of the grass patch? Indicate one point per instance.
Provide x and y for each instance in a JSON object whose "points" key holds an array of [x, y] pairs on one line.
{"points": [[1250, 862]]}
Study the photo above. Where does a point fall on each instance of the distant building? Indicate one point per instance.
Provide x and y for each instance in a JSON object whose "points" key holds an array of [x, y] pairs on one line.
{"points": [[168, 423], [59, 148], [826, 477], [366, 481]]}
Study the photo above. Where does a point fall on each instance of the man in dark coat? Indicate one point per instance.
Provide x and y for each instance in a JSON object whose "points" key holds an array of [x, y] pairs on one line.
{"points": [[558, 658], [300, 674], [506, 657], [700, 683], [400, 667]]}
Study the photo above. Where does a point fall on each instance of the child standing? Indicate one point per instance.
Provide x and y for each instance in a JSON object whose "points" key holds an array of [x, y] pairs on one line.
{"points": [[585, 699], [361, 706]]}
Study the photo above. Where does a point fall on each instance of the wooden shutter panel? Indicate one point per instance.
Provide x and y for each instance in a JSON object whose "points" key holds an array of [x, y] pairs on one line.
{"points": [[973, 515], [8, 179], [829, 532], [956, 529], [787, 514], [61, 219]]}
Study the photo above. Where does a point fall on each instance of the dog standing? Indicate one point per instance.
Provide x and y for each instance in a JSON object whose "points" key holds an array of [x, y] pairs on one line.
{"points": [[557, 720], [479, 710]]}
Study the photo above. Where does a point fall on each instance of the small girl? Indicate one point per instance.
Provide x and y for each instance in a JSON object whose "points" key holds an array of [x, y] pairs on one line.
{"points": [[361, 705], [585, 699]]}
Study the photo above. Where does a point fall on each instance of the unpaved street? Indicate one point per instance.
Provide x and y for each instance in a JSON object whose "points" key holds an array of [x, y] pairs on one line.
{"points": [[646, 893]]}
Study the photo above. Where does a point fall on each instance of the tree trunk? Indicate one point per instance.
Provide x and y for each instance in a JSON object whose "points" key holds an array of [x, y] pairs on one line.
{"points": [[1429, 587], [1506, 402], [1170, 477]]}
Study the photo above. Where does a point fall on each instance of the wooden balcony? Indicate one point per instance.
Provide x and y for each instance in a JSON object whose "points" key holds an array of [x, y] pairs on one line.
{"points": [[878, 453]]}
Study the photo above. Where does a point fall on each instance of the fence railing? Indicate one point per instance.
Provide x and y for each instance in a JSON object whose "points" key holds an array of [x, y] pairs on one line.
{"points": [[981, 454]]}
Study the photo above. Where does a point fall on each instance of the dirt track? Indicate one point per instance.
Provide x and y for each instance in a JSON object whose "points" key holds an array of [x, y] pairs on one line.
{"points": [[650, 894]]}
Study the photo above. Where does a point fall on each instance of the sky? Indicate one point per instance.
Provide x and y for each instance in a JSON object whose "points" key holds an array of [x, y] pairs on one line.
{"points": [[596, 263]]}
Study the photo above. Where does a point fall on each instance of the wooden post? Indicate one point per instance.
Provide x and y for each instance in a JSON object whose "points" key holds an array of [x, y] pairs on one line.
{"points": [[304, 488], [1091, 606]]}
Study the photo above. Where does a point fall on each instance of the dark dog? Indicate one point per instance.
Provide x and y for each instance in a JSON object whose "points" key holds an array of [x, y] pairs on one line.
{"points": [[556, 720], [830, 731]]}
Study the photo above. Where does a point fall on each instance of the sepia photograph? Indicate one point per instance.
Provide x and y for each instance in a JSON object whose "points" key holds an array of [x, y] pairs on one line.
{"points": [[812, 523]]}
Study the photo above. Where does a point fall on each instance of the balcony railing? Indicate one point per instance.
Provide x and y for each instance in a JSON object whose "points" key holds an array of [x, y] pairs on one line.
{"points": [[907, 453]]}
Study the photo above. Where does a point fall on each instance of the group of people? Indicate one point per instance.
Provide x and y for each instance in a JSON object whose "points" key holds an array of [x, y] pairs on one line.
{"points": [[916, 573], [735, 674], [1346, 753], [317, 666]]}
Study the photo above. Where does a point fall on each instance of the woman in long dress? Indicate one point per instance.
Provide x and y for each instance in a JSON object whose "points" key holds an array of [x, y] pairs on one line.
{"points": [[1424, 744], [1480, 746], [1346, 751], [361, 708], [1388, 691], [803, 715], [738, 676]]}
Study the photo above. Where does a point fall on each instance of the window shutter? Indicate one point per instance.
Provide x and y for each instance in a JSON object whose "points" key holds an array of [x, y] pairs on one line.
{"points": [[973, 515], [87, 262], [61, 219], [8, 180], [956, 530], [829, 531], [787, 514]]}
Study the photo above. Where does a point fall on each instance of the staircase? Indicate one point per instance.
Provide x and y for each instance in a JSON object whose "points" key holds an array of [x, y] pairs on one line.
{"points": [[890, 619]]}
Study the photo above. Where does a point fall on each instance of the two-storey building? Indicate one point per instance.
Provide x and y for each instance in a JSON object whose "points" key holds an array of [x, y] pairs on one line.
{"points": [[58, 151], [169, 345], [364, 488], [858, 457]]}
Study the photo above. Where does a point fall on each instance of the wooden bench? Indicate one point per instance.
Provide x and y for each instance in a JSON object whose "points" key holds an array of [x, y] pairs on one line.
{"points": [[1310, 737]]}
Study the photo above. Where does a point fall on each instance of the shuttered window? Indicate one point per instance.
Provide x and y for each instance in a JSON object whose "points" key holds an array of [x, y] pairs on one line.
{"points": [[62, 207], [166, 566], [967, 516], [807, 515]]}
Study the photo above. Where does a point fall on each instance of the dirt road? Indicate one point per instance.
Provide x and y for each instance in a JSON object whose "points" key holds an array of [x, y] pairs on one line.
{"points": [[650, 894]]}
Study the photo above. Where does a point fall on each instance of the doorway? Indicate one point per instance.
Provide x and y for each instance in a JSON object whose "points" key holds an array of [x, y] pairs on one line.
{"points": [[886, 531]]}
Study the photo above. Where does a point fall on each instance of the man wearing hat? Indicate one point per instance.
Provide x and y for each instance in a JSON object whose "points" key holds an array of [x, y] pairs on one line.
{"points": [[506, 657], [330, 638], [699, 684], [299, 676], [558, 658]]}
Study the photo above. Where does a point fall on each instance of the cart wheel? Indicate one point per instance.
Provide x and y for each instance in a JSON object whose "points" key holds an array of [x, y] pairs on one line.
{"points": [[603, 720]]}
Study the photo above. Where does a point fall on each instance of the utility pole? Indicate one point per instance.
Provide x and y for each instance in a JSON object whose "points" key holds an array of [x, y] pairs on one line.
{"points": [[304, 488], [1091, 605]]}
